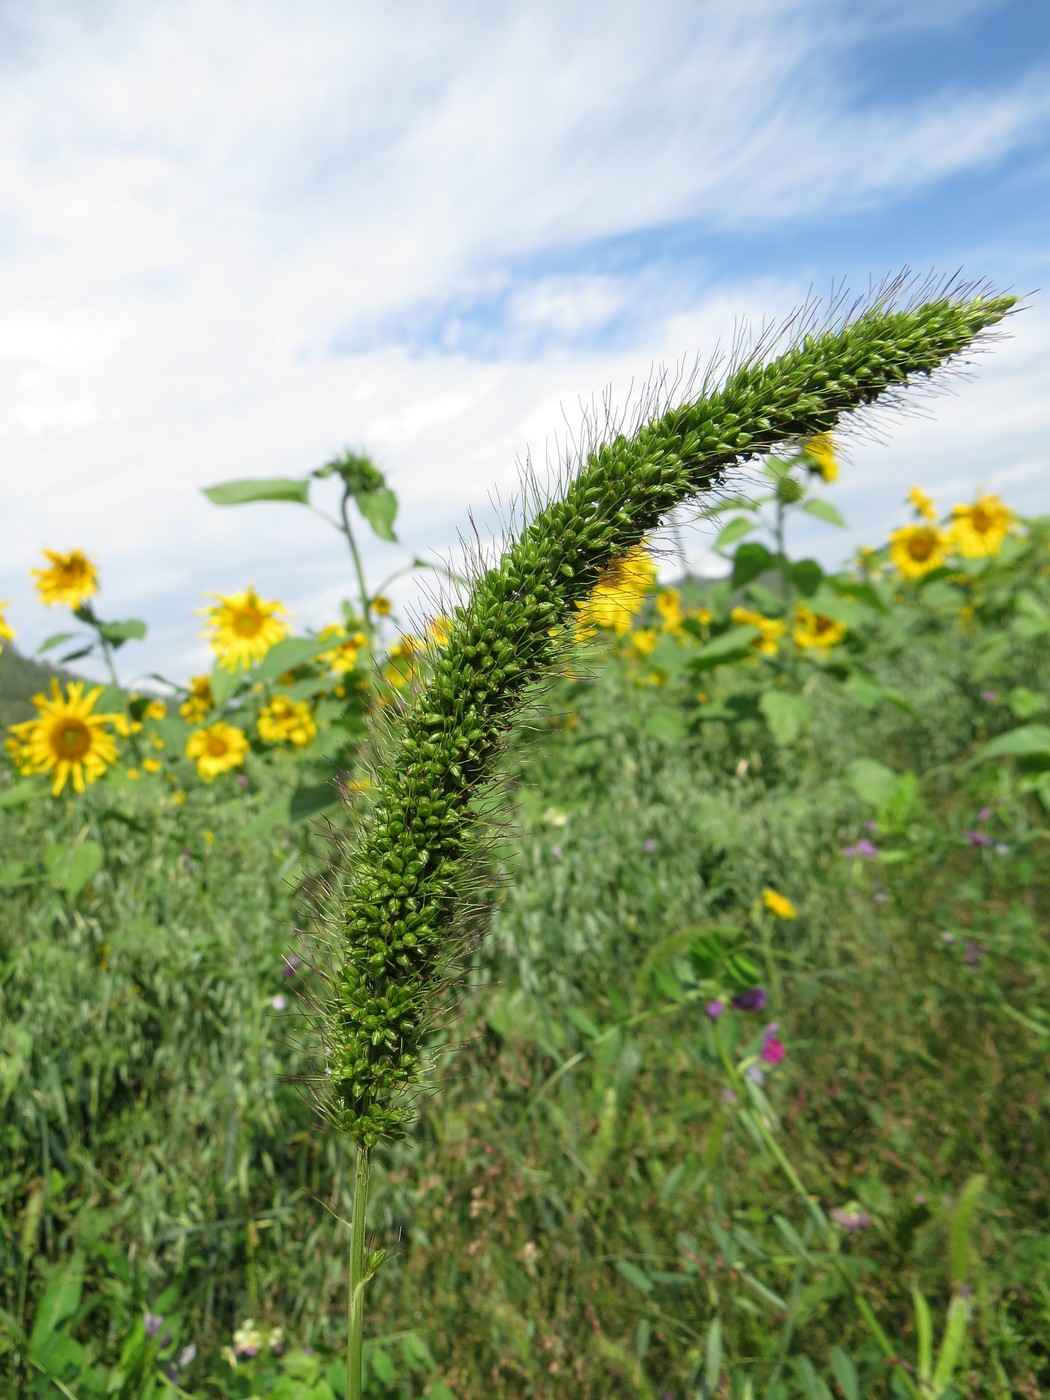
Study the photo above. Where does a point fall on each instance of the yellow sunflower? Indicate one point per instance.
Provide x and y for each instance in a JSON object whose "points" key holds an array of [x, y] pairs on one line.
{"points": [[438, 630], [199, 701], [71, 580], [243, 628], [917, 549], [342, 656], [771, 629], [287, 719], [617, 596], [217, 749], [7, 632], [779, 904], [67, 737], [979, 530], [923, 504], [814, 630], [822, 460], [669, 606], [644, 640]]}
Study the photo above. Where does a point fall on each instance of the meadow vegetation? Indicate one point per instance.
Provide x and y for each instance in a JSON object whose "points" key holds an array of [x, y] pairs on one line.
{"points": [[743, 1096]]}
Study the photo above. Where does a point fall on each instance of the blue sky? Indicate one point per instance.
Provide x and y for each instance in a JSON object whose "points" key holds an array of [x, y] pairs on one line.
{"points": [[234, 240]]}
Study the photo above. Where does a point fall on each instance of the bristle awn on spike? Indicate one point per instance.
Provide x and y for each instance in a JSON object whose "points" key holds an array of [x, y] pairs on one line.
{"points": [[398, 930]]}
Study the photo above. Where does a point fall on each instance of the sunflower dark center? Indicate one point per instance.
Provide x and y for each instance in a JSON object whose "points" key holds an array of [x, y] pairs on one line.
{"points": [[73, 739]]}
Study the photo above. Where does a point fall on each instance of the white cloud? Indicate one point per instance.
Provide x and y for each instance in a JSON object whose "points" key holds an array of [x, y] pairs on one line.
{"points": [[200, 199]]}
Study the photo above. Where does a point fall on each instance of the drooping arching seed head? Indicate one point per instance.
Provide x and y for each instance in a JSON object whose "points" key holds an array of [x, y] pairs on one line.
{"points": [[405, 913]]}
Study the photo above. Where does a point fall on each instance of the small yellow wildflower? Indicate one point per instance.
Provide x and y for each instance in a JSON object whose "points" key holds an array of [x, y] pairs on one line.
{"points": [[669, 606], [644, 641], [814, 630], [381, 605], [125, 726], [71, 580], [702, 615], [209, 837], [156, 709], [923, 504], [917, 549], [156, 741], [779, 904], [978, 531], [7, 632], [821, 452], [199, 701], [770, 628], [217, 749], [178, 797], [359, 784], [287, 719], [133, 774], [152, 765], [244, 627], [67, 737]]}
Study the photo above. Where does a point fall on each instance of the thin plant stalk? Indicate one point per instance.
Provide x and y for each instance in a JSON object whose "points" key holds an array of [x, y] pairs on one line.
{"points": [[355, 1305]]}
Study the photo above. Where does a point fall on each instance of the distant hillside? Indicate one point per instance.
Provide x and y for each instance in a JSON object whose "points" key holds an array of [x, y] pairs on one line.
{"points": [[20, 679]]}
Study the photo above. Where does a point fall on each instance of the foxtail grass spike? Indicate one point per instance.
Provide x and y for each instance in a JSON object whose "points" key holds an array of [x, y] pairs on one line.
{"points": [[407, 912]]}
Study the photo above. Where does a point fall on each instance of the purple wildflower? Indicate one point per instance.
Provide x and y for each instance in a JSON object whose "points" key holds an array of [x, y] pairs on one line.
{"points": [[729, 1095], [715, 1008], [755, 1075], [772, 1051], [291, 964], [978, 838], [649, 845], [752, 1000], [153, 1322], [242, 780], [279, 1003], [972, 956], [851, 1218], [557, 853], [989, 696], [984, 814]]}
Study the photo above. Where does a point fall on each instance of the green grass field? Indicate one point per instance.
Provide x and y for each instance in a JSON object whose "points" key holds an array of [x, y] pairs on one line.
{"points": [[614, 1187]]}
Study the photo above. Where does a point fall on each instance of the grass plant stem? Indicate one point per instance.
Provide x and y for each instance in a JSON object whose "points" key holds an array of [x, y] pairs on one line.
{"points": [[355, 1304]]}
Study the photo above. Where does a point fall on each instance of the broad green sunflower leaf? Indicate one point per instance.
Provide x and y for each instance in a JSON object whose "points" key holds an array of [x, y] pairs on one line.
{"points": [[274, 488], [786, 714], [749, 562], [379, 508], [735, 530], [54, 641], [287, 655], [72, 867], [824, 510], [1030, 741], [117, 633]]}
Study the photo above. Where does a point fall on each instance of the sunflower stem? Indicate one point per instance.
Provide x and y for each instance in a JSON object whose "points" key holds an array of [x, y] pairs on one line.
{"points": [[362, 585]]}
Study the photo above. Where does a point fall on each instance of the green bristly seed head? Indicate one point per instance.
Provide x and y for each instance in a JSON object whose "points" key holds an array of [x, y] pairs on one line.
{"points": [[407, 913]]}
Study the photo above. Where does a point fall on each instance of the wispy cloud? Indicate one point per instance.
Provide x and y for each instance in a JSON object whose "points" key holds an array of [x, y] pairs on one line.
{"points": [[232, 240]]}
